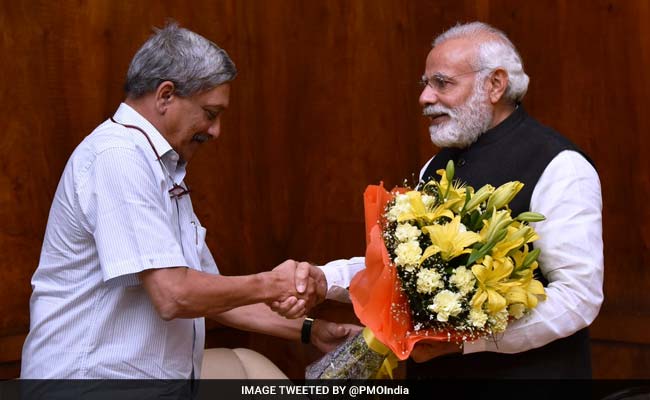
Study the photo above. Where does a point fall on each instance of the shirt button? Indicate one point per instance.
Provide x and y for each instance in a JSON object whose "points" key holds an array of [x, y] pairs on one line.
{"points": [[461, 162], [174, 157]]}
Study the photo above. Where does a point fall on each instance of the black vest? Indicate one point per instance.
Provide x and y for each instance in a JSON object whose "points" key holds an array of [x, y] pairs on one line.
{"points": [[519, 148]]}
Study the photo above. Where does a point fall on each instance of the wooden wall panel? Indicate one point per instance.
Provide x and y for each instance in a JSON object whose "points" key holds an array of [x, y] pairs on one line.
{"points": [[324, 104], [623, 360]]}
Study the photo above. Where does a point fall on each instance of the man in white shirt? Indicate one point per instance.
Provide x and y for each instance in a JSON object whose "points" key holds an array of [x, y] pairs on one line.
{"points": [[473, 85], [125, 277]]}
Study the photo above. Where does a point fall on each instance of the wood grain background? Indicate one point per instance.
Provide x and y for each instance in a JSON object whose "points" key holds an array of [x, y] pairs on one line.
{"points": [[324, 104]]}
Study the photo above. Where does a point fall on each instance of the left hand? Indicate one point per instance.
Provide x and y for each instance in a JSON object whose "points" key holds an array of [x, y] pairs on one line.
{"points": [[427, 350], [326, 335]]}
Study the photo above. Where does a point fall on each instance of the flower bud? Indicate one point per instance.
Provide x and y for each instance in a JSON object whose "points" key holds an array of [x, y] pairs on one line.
{"points": [[479, 197], [530, 216], [504, 194], [450, 170]]}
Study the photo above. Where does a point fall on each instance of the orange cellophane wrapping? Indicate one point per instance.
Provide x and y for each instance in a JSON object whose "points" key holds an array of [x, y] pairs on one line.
{"points": [[375, 291]]}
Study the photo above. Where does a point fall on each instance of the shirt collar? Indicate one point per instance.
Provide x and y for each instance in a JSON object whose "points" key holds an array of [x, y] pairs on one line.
{"points": [[125, 114]]}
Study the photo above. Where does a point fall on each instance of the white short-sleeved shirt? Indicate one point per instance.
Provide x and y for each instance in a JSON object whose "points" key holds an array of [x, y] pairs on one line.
{"points": [[112, 217]]}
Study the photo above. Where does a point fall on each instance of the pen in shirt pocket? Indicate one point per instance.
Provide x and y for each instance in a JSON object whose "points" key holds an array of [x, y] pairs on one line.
{"points": [[196, 233]]}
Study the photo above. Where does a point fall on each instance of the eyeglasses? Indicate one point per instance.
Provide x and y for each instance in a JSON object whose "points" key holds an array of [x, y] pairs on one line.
{"points": [[442, 83], [177, 191]]}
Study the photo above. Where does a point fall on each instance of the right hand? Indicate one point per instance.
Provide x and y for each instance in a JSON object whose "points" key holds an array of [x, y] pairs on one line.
{"points": [[307, 287]]}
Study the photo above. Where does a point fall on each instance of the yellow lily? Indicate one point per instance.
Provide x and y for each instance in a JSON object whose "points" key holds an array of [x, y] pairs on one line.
{"points": [[527, 291], [454, 192], [493, 227], [519, 258], [524, 231], [420, 211], [450, 240], [517, 234], [503, 247], [491, 276]]}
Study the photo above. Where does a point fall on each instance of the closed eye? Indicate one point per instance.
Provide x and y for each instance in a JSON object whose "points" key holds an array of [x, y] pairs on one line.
{"points": [[437, 82], [211, 114], [440, 82]]}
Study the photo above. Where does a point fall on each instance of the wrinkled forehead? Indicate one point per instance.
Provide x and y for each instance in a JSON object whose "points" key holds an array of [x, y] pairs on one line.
{"points": [[451, 57], [218, 96]]}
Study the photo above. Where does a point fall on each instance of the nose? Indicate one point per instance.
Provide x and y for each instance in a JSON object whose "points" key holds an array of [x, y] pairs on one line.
{"points": [[215, 129], [428, 96]]}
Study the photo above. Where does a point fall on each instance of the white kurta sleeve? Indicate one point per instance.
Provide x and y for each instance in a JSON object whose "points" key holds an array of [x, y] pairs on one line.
{"points": [[568, 194]]}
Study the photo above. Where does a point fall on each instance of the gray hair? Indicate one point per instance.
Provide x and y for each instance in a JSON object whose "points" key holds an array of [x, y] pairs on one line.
{"points": [[495, 50], [190, 61]]}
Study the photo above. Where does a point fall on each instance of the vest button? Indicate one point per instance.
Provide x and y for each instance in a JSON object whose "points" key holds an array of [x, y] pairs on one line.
{"points": [[461, 162]]}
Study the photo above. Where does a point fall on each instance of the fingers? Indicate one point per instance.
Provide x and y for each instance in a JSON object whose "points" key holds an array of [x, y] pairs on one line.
{"points": [[297, 311], [306, 282], [317, 290], [289, 308], [302, 276], [326, 336], [338, 330], [320, 280], [283, 307], [353, 329], [310, 295]]}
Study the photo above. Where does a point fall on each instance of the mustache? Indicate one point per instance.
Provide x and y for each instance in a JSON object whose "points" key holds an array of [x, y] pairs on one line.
{"points": [[201, 137], [436, 110]]}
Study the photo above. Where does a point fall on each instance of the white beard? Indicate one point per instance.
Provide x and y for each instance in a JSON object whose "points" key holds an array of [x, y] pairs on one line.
{"points": [[466, 122]]}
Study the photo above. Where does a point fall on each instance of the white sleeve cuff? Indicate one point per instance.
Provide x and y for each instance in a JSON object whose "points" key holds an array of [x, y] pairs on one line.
{"points": [[339, 273]]}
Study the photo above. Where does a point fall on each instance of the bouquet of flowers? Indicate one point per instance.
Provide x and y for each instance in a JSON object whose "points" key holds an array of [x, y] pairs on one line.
{"points": [[444, 262]]}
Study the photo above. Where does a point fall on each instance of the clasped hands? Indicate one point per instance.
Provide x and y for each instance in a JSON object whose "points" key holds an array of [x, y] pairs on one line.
{"points": [[303, 286]]}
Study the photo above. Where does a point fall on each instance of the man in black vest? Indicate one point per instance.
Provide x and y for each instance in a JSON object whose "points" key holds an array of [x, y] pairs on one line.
{"points": [[473, 86]]}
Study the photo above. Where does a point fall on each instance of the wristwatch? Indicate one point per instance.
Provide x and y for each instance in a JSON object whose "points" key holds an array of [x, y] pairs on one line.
{"points": [[305, 332]]}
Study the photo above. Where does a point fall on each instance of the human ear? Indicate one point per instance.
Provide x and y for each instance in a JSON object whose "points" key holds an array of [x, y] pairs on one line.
{"points": [[497, 85], [164, 96]]}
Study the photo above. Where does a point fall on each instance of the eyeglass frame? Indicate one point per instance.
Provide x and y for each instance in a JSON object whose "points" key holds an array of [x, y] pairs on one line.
{"points": [[443, 80]]}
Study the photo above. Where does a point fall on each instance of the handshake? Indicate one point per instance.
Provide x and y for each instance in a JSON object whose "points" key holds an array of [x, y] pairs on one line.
{"points": [[295, 287]]}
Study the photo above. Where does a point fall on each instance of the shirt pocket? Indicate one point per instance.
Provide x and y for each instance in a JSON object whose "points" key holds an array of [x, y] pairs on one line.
{"points": [[200, 238], [194, 245]]}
